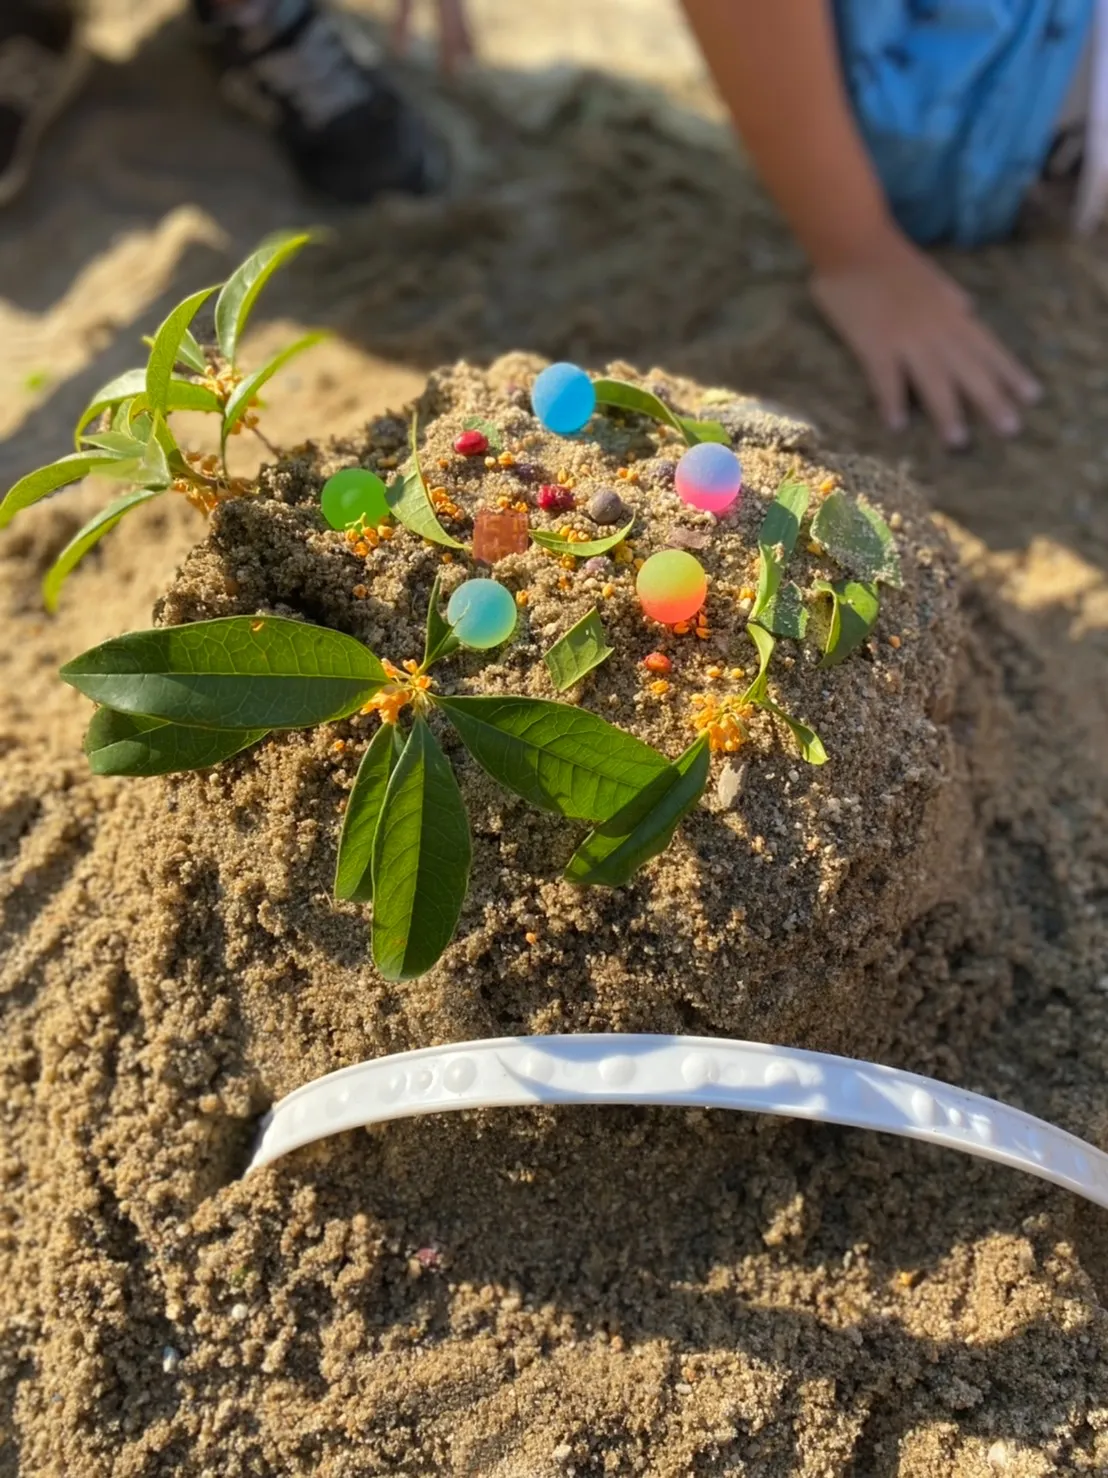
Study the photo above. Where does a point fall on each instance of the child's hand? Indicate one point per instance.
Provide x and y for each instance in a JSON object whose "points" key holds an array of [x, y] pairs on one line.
{"points": [[912, 327]]}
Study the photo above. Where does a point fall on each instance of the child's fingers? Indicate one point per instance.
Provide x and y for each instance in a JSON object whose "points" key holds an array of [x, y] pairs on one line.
{"points": [[1007, 368], [983, 387], [886, 381], [934, 382]]}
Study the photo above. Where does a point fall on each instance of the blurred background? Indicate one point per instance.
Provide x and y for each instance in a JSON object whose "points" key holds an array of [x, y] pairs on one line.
{"points": [[599, 208]]}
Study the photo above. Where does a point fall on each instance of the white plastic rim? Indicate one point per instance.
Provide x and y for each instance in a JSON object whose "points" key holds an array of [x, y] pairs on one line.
{"points": [[690, 1072]]}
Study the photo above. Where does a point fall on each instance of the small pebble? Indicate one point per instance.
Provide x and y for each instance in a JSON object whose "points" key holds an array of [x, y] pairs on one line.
{"points": [[600, 565], [683, 538], [239, 1312], [607, 507], [170, 1359]]}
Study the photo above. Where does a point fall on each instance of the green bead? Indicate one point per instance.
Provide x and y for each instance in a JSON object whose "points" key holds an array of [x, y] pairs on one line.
{"points": [[482, 613], [354, 496]]}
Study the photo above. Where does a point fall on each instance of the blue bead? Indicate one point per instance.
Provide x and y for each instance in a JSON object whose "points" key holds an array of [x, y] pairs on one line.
{"points": [[482, 613], [563, 398]]}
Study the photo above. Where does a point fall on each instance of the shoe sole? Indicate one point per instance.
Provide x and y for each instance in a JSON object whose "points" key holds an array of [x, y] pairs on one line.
{"points": [[70, 79]]}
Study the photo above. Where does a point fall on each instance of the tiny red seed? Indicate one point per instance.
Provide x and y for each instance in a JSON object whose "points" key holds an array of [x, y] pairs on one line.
{"points": [[657, 662], [471, 444]]}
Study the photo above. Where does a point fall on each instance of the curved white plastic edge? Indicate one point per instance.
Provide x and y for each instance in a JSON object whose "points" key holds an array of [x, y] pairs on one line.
{"points": [[698, 1072]]}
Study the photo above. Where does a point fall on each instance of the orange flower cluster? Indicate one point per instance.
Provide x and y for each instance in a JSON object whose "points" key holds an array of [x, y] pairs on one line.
{"points": [[721, 720], [699, 624], [404, 685], [446, 505]]}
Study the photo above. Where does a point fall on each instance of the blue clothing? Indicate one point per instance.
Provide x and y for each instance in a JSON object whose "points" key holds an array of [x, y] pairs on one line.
{"points": [[957, 101]]}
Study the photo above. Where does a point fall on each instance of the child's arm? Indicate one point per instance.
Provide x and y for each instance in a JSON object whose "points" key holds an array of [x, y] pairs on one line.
{"points": [[776, 64]]}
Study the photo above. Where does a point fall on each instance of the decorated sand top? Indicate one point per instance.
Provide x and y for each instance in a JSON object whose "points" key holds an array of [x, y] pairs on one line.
{"points": [[668, 768]]}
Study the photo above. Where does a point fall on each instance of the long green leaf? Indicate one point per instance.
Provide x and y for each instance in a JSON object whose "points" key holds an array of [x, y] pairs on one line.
{"points": [[784, 516], [809, 742], [236, 672], [627, 397], [189, 354], [246, 390], [854, 612], [583, 647], [555, 544], [45, 480], [408, 501], [776, 541], [128, 744], [440, 640], [855, 534], [354, 868], [610, 856], [765, 644], [74, 552], [240, 291], [557, 757], [421, 856], [167, 347], [183, 395]]}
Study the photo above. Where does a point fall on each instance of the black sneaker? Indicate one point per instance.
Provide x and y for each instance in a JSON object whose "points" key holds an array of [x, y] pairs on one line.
{"points": [[347, 131], [41, 67]]}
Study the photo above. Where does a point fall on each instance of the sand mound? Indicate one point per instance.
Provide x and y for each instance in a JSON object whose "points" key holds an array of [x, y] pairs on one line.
{"points": [[580, 1291]]}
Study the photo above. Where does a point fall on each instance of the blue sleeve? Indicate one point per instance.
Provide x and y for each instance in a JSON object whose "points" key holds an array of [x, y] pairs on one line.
{"points": [[957, 102]]}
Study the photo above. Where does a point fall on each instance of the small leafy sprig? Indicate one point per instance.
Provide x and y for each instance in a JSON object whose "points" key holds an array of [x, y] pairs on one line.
{"points": [[855, 535], [621, 395], [131, 441], [186, 697]]}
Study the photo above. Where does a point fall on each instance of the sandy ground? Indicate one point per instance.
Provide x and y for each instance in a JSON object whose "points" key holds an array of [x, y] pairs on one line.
{"points": [[864, 1309]]}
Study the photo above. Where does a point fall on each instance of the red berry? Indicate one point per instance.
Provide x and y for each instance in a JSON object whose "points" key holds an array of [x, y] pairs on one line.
{"points": [[472, 444], [657, 662], [556, 500]]}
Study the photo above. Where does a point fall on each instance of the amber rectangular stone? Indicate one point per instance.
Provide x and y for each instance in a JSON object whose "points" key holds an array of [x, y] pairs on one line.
{"points": [[498, 532]]}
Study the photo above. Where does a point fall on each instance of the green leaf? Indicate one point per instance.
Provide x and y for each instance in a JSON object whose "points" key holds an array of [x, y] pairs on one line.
{"points": [[121, 445], [557, 757], [74, 552], [784, 516], [246, 390], [771, 569], [189, 353], [354, 868], [129, 744], [166, 348], [410, 502], [183, 395], [490, 432], [765, 644], [854, 612], [240, 291], [631, 398], [785, 614], [611, 855], [776, 541], [421, 856], [45, 480], [440, 640], [555, 544], [809, 742], [236, 672], [855, 534], [583, 647]]}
